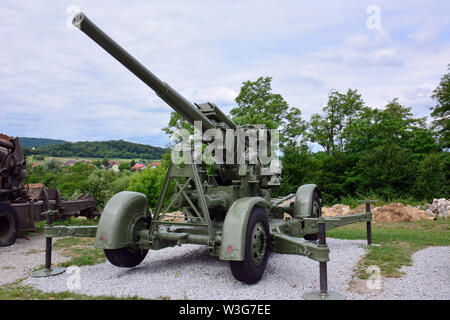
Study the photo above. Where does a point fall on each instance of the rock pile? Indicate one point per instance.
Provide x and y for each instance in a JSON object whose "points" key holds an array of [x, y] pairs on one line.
{"points": [[439, 207], [397, 212]]}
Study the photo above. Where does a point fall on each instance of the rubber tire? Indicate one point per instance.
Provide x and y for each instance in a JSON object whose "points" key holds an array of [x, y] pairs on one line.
{"points": [[9, 228], [247, 271], [125, 257], [316, 198]]}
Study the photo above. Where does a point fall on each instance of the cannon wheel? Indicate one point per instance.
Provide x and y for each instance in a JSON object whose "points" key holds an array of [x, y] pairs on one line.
{"points": [[257, 242], [9, 225], [129, 257], [316, 212], [125, 257]]}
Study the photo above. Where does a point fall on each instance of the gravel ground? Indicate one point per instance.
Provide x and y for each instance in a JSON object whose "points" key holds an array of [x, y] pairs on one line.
{"points": [[189, 272], [427, 279], [28, 253]]}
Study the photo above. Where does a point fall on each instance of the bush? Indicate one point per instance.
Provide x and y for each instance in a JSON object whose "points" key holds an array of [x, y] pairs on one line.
{"points": [[149, 182]]}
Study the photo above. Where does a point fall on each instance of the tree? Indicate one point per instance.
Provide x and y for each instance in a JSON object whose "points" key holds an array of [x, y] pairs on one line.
{"points": [[177, 122], [149, 182], [430, 179], [258, 105], [53, 166], [293, 129], [124, 166], [328, 130], [105, 162], [441, 112]]}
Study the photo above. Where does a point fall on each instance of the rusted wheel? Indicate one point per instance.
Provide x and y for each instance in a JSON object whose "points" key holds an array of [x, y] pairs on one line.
{"points": [[257, 241], [9, 225]]}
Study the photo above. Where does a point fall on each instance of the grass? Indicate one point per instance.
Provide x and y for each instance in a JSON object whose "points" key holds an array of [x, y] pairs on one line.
{"points": [[81, 251], [397, 243], [18, 291]]}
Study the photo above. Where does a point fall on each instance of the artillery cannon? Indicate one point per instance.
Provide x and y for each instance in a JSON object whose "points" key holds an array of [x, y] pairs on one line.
{"points": [[230, 210], [19, 211]]}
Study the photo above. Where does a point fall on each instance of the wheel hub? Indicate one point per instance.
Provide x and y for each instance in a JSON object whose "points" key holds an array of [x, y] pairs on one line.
{"points": [[258, 244]]}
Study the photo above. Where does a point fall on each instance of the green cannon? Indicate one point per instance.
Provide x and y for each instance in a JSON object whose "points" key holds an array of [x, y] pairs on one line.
{"points": [[229, 209]]}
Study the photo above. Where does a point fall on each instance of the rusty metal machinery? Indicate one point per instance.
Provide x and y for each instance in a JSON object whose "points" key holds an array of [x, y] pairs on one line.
{"points": [[12, 169], [18, 211]]}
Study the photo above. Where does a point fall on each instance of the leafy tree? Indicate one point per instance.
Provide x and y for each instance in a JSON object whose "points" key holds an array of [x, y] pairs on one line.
{"points": [[441, 112], [293, 129], [53, 166], [258, 105], [430, 180], [98, 184], [105, 162], [328, 130], [124, 166], [177, 122], [149, 182], [39, 157]]}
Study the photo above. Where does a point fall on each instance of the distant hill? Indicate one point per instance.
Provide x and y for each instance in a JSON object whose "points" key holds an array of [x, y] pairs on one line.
{"points": [[37, 142], [100, 149]]}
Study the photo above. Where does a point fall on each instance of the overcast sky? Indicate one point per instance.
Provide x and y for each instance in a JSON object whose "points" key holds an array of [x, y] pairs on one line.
{"points": [[56, 83]]}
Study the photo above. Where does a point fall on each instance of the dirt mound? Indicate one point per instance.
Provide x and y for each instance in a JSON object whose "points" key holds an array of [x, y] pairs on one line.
{"points": [[394, 212], [397, 212], [176, 216]]}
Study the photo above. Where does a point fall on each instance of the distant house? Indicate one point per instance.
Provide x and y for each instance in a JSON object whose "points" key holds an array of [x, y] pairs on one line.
{"points": [[69, 163], [138, 167], [114, 167], [156, 164]]}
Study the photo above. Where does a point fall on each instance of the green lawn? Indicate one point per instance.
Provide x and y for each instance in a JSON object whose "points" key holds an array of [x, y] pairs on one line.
{"points": [[397, 242]]}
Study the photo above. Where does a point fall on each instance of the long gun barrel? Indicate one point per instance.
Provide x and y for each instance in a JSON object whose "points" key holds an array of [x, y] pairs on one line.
{"points": [[186, 109]]}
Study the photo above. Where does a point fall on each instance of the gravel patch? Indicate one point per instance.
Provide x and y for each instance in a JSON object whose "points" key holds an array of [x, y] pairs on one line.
{"points": [[427, 279], [189, 272], [27, 254]]}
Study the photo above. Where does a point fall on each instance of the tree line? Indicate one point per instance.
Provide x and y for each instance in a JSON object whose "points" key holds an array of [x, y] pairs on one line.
{"points": [[100, 149]]}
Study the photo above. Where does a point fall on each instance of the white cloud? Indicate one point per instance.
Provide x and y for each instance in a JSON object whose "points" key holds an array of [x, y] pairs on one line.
{"points": [[57, 83], [425, 34]]}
